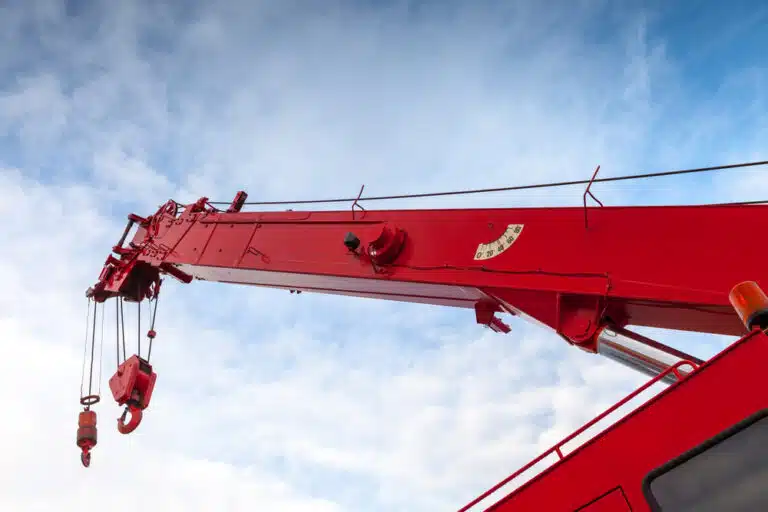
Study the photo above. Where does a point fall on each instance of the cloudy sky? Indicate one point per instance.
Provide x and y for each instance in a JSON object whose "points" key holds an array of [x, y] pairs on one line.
{"points": [[272, 401]]}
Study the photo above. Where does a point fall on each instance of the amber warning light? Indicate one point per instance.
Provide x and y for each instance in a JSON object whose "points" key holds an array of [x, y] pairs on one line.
{"points": [[751, 304]]}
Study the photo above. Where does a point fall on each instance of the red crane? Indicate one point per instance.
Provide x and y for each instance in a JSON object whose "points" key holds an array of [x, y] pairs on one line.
{"points": [[586, 273]]}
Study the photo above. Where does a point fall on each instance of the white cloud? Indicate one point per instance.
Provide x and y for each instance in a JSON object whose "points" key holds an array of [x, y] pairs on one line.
{"points": [[287, 402]]}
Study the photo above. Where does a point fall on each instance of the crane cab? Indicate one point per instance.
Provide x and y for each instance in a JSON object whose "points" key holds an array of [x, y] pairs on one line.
{"points": [[700, 445]]}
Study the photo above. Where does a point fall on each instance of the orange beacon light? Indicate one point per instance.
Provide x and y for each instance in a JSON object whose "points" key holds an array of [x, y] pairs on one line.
{"points": [[751, 304]]}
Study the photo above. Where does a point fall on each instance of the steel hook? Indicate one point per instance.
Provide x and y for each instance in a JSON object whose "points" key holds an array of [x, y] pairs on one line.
{"points": [[136, 414], [86, 435]]}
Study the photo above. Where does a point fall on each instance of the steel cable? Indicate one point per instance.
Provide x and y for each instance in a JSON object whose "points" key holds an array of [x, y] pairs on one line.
{"points": [[85, 348], [511, 188], [101, 347]]}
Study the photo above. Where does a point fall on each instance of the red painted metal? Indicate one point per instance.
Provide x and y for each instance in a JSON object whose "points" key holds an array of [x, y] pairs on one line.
{"points": [[666, 267], [132, 385], [650, 266], [717, 395], [87, 435], [136, 416], [557, 449]]}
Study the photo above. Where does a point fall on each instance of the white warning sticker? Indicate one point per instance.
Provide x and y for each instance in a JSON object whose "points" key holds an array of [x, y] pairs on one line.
{"points": [[501, 244]]}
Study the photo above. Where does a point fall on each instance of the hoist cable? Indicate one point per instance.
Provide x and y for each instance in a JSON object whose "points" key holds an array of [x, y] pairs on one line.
{"points": [[93, 347], [117, 331], [122, 326], [101, 346], [85, 346], [511, 188], [152, 328], [138, 317], [138, 332]]}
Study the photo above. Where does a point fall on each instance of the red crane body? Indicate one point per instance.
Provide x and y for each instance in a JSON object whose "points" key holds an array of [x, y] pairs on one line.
{"points": [[586, 273]]}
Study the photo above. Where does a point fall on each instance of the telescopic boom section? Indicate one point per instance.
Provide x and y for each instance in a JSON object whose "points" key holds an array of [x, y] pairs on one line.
{"points": [[663, 266]]}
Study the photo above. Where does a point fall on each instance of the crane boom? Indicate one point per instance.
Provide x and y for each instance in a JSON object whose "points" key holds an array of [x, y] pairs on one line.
{"points": [[640, 266], [585, 273]]}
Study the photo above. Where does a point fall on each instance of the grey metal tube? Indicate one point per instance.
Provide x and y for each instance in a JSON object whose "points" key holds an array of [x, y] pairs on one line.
{"points": [[642, 354]]}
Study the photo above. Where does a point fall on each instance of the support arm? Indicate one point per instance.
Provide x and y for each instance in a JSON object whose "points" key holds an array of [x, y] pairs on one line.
{"points": [[650, 266]]}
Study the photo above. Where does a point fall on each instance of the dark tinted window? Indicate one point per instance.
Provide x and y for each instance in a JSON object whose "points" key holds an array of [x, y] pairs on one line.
{"points": [[728, 473]]}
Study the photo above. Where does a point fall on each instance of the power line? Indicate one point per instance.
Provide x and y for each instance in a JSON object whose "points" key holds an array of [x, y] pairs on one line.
{"points": [[507, 189]]}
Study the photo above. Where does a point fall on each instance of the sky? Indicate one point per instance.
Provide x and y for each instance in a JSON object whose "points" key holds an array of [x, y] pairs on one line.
{"points": [[272, 401]]}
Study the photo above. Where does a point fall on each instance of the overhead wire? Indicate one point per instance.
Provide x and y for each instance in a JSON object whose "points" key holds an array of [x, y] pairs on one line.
{"points": [[512, 188]]}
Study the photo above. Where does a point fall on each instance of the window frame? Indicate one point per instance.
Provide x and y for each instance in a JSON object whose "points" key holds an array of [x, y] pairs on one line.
{"points": [[695, 451]]}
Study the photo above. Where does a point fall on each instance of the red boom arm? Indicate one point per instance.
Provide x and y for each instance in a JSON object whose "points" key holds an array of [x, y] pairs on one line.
{"points": [[650, 266]]}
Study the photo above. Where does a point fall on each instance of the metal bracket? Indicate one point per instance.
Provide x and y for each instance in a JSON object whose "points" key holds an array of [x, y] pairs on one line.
{"points": [[356, 202], [237, 203], [485, 313], [589, 193]]}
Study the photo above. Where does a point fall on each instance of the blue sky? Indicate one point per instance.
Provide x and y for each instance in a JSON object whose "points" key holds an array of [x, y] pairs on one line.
{"points": [[327, 403]]}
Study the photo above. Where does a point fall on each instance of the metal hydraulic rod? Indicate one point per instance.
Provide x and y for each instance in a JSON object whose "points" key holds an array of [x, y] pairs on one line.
{"points": [[642, 354], [697, 445]]}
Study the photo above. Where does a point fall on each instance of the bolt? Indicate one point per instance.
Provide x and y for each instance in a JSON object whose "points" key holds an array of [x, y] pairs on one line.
{"points": [[351, 241]]}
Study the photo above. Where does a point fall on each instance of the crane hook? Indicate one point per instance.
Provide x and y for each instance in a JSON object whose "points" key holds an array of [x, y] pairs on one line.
{"points": [[132, 386], [136, 415], [86, 435]]}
